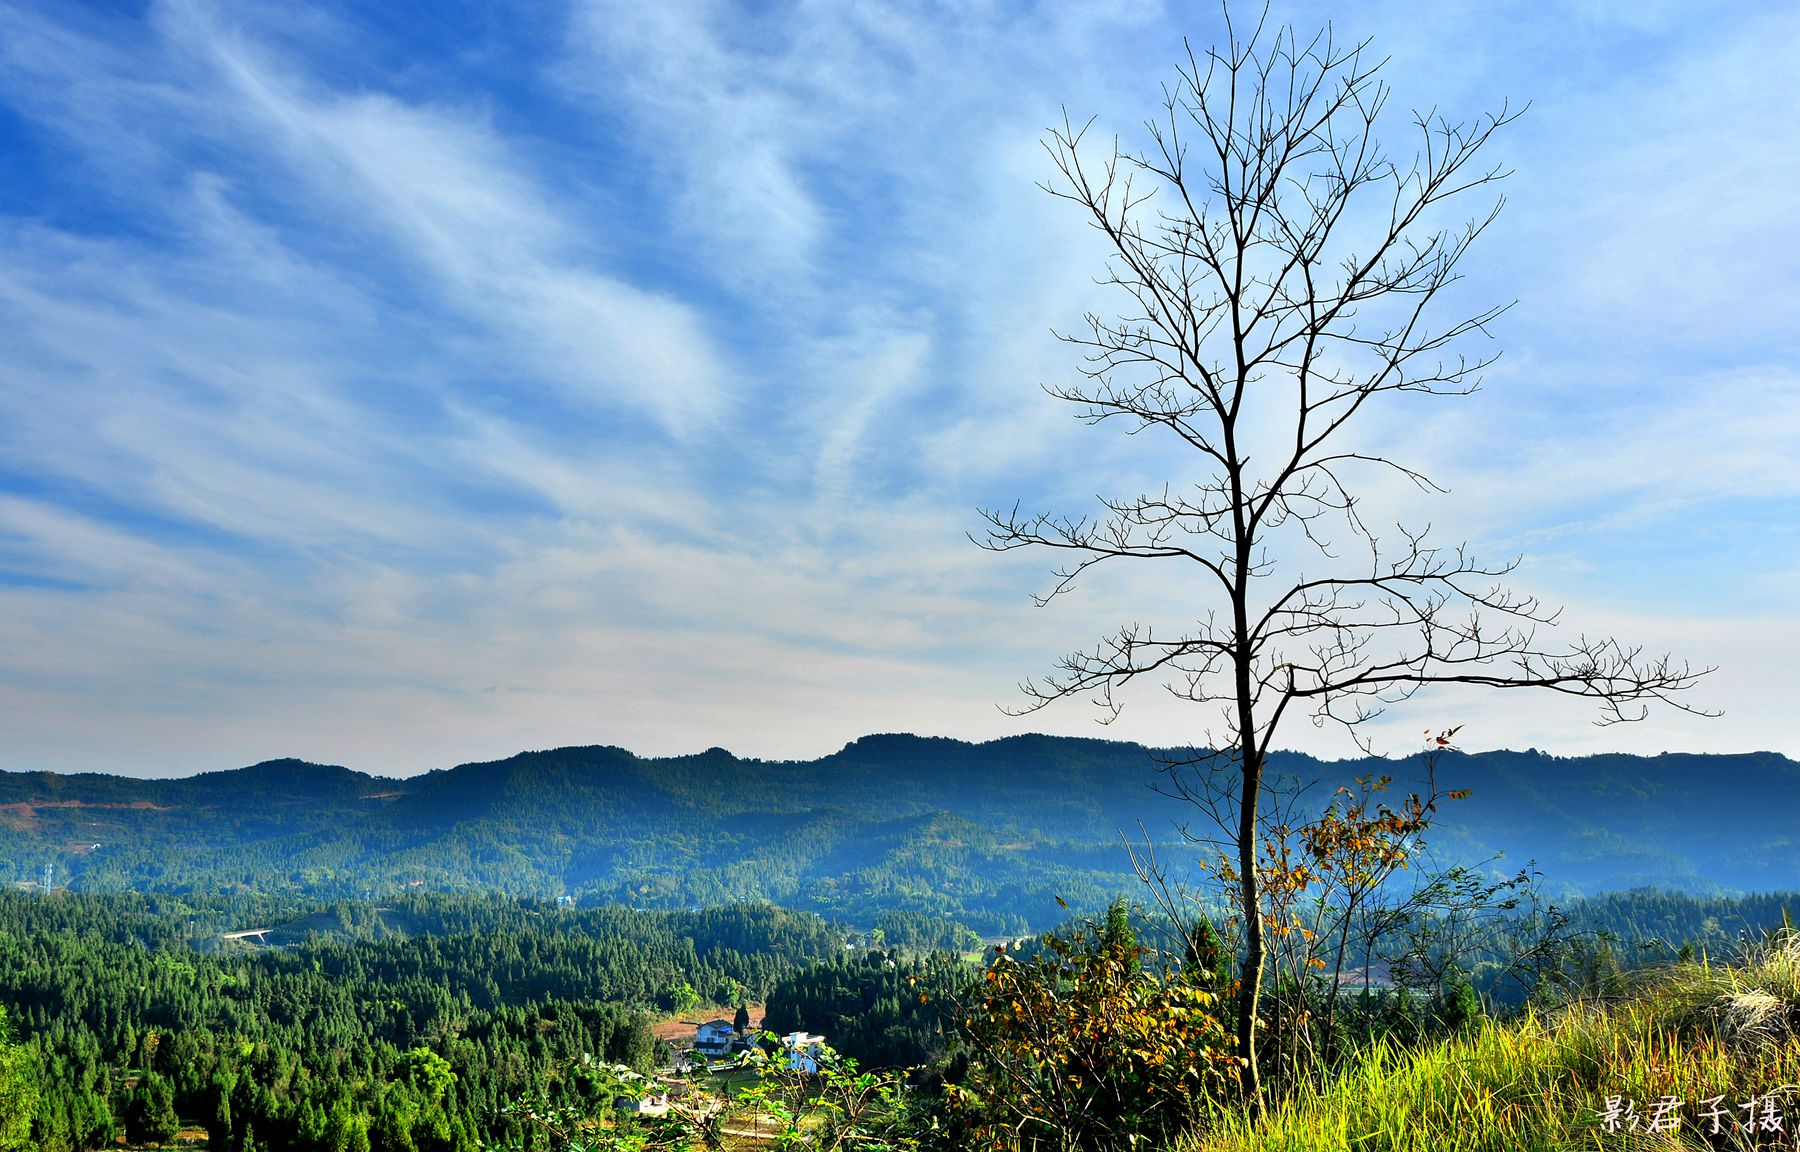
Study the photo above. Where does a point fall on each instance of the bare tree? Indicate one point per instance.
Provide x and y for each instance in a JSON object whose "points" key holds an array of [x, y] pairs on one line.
{"points": [[1284, 273]]}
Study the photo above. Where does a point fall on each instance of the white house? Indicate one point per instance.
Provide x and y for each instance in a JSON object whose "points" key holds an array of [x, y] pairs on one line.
{"points": [[803, 1051], [655, 1105], [714, 1037]]}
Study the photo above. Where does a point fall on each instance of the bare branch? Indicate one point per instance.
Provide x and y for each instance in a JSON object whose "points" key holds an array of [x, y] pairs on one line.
{"points": [[1280, 275]]}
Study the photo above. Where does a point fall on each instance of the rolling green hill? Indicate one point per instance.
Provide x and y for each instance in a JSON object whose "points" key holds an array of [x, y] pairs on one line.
{"points": [[990, 834]]}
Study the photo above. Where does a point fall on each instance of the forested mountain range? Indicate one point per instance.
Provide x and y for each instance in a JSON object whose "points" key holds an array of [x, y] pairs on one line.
{"points": [[989, 834]]}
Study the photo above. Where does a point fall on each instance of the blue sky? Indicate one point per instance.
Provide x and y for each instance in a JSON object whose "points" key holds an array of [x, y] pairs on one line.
{"points": [[403, 384]]}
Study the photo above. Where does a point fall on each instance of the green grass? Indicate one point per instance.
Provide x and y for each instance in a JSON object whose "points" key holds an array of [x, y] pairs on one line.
{"points": [[1692, 1032]]}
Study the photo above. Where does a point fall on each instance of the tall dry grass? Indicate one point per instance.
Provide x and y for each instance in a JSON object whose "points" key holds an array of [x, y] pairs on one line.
{"points": [[1709, 1036]]}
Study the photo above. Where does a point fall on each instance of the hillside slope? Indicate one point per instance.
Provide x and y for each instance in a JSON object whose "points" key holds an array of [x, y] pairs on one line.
{"points": [[990, 833]]}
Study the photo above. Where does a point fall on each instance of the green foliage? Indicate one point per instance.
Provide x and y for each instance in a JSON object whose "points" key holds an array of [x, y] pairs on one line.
{"points": [[419, 1024], [891, 826], [1117, 935], [837, 1106], [388, 1042], [915, 931], [428, 1075], [1206, 957], [150, 1113], [923, 830], [592, 1124], [19, 1096], [679, 998], [1591, 967], [883, 1009], [1462, 1004], [1084, 1046], [1691, 1033]]}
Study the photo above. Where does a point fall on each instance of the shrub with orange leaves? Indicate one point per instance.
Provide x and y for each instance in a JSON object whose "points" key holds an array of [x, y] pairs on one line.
{"points": [[1086, 1045], [1321, 884]]}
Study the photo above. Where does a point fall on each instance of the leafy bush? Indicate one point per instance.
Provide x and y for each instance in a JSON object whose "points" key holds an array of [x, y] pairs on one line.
{"points": [[1085, 1046]]}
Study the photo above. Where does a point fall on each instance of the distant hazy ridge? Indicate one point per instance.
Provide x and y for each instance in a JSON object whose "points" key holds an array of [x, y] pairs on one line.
{"points": [[989, 833]]}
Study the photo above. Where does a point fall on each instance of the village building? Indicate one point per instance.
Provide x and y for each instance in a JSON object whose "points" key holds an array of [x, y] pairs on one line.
{"points": [[653, 1105], [714, 1038], [803, 1051]]}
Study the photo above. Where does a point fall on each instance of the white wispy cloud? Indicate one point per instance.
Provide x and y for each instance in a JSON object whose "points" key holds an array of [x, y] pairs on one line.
{"points": [[646, 397]]}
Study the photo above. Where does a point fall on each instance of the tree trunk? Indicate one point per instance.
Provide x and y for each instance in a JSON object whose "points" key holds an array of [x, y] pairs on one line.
{"points": [[1250, 980]]}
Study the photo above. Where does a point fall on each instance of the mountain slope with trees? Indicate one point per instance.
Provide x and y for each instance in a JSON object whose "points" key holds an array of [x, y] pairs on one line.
{"points": [[989, 834]]}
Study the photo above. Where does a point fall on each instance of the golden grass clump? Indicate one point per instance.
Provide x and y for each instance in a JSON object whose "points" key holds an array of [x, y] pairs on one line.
{"points": [[1708, 1037]]}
